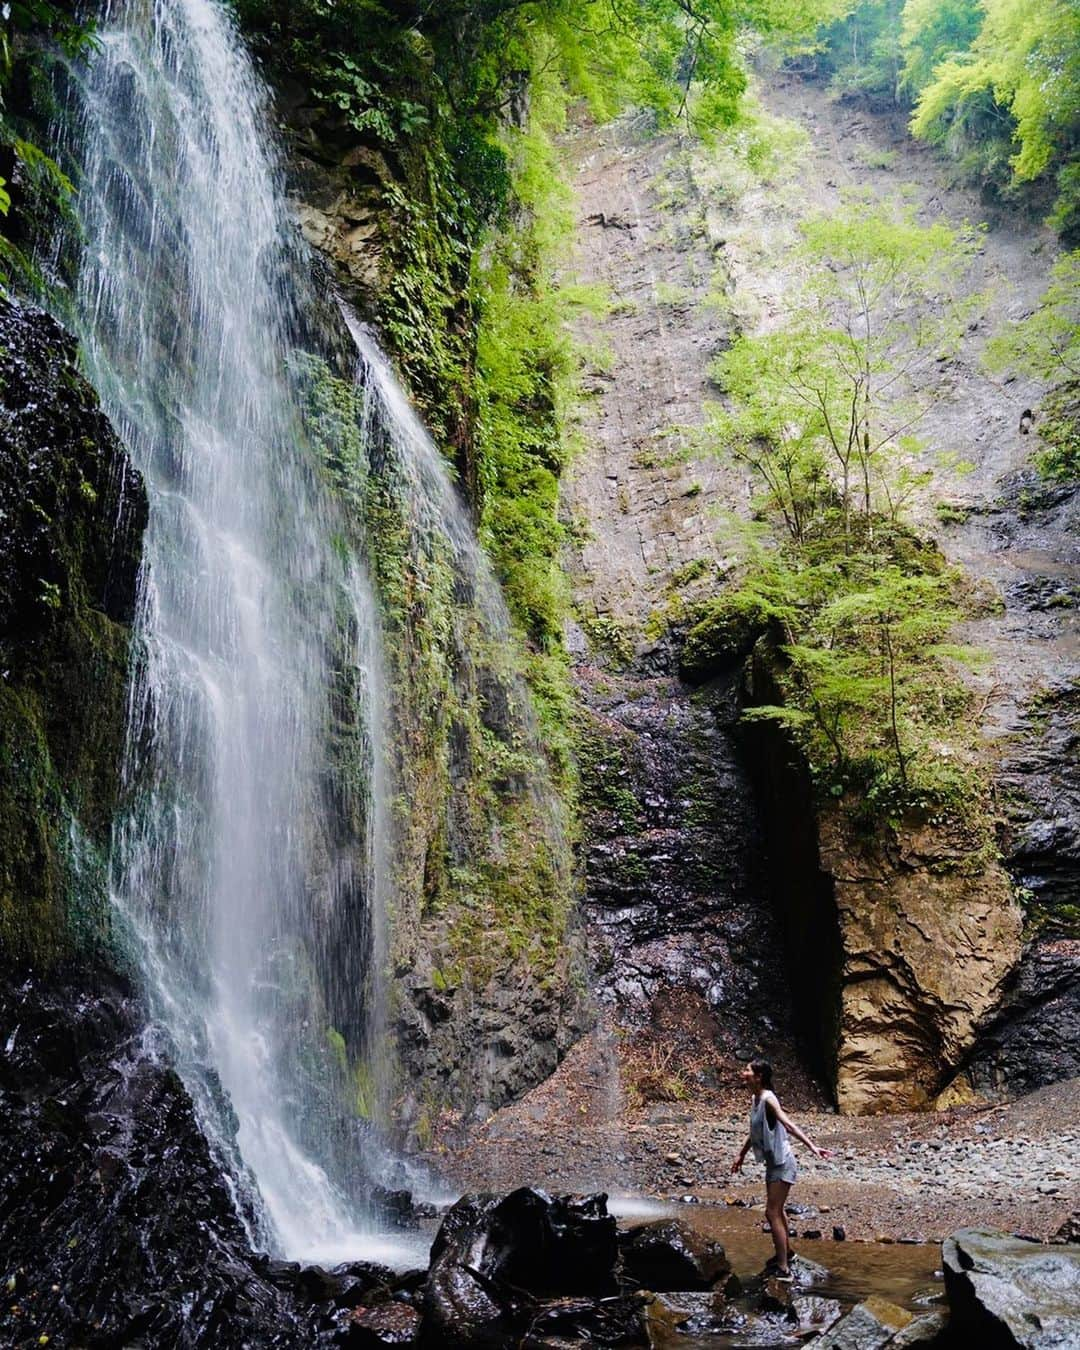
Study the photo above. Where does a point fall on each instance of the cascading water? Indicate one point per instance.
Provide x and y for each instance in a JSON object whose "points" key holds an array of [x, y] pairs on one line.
{"points": [[252, 862], [246, 865]]}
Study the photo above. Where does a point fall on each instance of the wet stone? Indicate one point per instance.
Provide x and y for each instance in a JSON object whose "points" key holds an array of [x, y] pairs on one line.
{"points": [[388, 1324], [921, 1334], [669, 1254], [1011, 1292], [495, 1258], [869, 1326], [813, 1313]]}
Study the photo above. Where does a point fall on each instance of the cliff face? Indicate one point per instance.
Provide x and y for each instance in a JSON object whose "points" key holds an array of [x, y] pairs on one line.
{"points": [[72, 511], [908, 957], [487, 990], [929, 934]]}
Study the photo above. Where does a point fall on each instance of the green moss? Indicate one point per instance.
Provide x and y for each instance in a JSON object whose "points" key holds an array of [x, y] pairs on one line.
{"points": [[691, 571], [1059, 432], [608, 779], [949, 513], [614, 637], [724, 633]]}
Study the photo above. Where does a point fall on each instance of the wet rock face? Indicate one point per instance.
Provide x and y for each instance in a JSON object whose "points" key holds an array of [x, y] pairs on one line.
{"points": [[1005, 1292], [526, 1264], [65, 476], [903, 943], [669, 1255], [116, 1227], [72, 512], [1029, 535], [868, 1326], [1033, 1038], [676, 899]]}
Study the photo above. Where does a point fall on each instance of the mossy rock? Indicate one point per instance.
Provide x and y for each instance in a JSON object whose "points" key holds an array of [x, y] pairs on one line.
{"points": [[724, 634], [72, 512]]}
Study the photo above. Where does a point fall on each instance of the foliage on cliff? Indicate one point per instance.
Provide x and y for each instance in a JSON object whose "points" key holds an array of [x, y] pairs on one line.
{"points": [[994, 83], [464, 101], [31, 183], [824, 411]]}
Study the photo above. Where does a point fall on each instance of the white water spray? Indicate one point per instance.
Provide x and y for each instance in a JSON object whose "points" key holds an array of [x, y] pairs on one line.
{"points": [[248, 859]]}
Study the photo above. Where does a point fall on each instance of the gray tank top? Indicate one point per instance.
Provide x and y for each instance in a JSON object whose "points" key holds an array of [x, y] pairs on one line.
{"points": [[770, 1143]]}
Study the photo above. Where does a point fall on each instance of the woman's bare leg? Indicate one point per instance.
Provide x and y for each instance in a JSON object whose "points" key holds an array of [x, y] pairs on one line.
{"points": [[776, 1194]]}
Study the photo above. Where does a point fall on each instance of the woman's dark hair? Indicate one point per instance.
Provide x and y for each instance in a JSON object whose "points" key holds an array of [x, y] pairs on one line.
{"points": [[762, 1069]]}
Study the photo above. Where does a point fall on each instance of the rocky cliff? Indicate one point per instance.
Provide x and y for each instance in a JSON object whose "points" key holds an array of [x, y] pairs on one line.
{"points": [[488, 989], [909, 956], [116, 1220], [72, 511], [929, 935]]}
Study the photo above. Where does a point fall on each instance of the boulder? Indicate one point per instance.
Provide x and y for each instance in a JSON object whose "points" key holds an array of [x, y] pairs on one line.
{"points": [[926, 1331], [461, 1304], [929, 932], [806, 1273], [669, 1254], [494, 1259], [671, 1318], [552, 1246], [777, 1295], [343, 1286], [868, 1326], [812, 1313], [1069, 1230], [1005, 1291], [615, 1321]]}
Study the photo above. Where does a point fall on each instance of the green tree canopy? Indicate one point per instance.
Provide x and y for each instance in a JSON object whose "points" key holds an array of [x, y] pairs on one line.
{"points": [[825, 407]]}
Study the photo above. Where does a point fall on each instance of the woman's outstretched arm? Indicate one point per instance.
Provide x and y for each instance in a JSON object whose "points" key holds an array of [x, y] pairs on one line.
{"points": [[792, 1128]]}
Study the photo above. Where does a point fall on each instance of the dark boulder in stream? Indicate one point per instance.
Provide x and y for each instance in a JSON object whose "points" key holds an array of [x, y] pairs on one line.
{"points": [[527, 1268], [670, 1255]]}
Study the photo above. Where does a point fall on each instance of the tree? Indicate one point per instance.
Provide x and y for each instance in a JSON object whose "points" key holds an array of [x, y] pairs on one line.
{"points": [[932, 31], [856, 608], [824, 409], [1018, 85]]}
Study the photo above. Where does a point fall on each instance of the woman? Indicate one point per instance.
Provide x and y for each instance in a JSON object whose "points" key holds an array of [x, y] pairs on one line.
{"points": [[768, 1137]]}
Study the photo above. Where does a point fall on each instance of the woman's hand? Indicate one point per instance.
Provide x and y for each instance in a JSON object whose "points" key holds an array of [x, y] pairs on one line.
{"points": [[736, 1166], [820, 1152]]}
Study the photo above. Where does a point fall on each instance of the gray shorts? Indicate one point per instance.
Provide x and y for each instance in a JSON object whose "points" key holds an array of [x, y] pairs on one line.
{"points": [[785, 1171]]}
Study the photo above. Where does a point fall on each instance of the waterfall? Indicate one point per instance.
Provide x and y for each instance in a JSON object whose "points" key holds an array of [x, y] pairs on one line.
{"points": [[247, 862]]}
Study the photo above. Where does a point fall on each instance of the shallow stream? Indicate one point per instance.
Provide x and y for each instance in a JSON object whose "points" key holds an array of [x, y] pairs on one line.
{"points": [[907, 1275]]}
